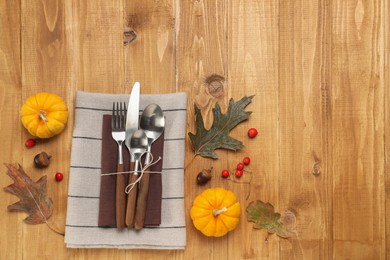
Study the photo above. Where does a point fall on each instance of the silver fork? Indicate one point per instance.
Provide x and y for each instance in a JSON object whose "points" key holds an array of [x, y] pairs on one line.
{"points": [[118, 123]]}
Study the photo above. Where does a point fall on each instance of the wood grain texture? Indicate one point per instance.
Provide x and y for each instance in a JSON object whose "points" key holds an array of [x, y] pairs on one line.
{"points": [[98, 46], [357, 130], [150, 58], [304, 115], [319, 71], [386, 77], [10, 101]]}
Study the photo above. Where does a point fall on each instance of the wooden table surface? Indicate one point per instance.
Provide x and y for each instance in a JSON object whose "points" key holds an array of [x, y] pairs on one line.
{"points": [[320, 75]]}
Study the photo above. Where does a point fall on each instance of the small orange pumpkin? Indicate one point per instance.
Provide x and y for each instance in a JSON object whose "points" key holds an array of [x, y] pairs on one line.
{"points": [[215, 212], [44, 115]]}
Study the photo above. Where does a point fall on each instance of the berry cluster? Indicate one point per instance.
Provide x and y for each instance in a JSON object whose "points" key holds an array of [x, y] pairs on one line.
{"points": [[239, 168]]}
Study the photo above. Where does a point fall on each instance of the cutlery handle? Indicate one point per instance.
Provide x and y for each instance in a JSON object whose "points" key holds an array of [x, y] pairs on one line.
{"points": [[142, 201], [120, 201], [131, 198]]}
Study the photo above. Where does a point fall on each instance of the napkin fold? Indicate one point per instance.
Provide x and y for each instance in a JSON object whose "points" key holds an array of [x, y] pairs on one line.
{"points": [[82, 222]]}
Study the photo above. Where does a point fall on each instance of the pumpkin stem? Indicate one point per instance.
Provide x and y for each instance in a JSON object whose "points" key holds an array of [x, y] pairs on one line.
{"points": [[217, 212], [42, 115]]}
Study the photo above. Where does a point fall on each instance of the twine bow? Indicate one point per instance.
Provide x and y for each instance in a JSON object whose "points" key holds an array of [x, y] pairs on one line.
{"points": [[143, 170], [130, 186]]}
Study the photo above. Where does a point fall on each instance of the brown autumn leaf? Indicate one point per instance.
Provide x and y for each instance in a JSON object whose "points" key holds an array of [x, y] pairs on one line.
{"points": [[265, 217], [33, 198]]}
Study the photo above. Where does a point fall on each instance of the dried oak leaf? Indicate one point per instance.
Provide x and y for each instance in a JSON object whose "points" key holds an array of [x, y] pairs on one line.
{"points": [[33, 198], [265, 217], [205, 142]]}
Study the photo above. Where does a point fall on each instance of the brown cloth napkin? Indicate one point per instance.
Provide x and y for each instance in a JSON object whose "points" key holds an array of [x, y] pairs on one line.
{"points": [[107, 185]]}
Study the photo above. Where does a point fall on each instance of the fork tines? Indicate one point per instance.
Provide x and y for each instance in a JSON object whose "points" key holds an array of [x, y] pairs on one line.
{"points": [[118, 121]]}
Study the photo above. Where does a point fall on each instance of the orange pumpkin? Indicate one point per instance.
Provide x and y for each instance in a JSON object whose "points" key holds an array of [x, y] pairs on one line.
{"points": [[215, 212], [44, 115]]}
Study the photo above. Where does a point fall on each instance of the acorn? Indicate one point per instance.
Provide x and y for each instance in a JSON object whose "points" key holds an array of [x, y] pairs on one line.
{"points": [[204, 176], [42, 160]]}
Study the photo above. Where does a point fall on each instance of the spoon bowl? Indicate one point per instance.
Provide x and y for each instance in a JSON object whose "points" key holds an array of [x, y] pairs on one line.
{"points": [[138, 144], [153, 123]]}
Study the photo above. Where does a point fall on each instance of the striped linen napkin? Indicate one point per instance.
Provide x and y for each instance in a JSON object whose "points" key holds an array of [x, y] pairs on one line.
{"points": [[82, 229]]}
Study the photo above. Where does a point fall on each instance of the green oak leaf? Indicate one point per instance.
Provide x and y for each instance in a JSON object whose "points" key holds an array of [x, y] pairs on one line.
{"points": [[206, 141], [265, 217]]}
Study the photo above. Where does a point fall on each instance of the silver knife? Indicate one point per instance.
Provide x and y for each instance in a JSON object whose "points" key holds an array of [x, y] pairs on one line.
{"points": [[132, 114], [132, 126]]}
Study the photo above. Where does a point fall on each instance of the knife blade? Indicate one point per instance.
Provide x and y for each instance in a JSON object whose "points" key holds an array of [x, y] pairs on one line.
{"points": [[132, 113], [131, 126]]}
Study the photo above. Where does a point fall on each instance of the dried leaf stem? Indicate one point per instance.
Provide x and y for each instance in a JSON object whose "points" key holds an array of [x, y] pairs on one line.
{"points": [[190, 162], [231, 178], [54, 229]]}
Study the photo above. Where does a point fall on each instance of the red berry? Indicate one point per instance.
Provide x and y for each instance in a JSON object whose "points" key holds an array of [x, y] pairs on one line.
{"points": [[246, 160], [238, 173], [30, 143], [252, 132], [59, 176], [240, 166], [225, 173]]}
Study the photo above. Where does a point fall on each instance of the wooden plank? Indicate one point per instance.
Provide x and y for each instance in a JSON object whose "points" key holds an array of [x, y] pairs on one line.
{"points": [[46, 51], [98, 46], [306, 185], [201, 60], [386, 75], [357, 130], [10, 125], [253, 42], [150, 58]]}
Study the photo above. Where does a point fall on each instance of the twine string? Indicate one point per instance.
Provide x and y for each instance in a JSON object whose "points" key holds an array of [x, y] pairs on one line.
{"points": [[143, 170], [130, 186]]}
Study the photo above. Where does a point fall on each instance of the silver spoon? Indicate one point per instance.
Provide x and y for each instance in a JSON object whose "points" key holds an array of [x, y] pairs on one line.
{"points": [[138, 146], [153, 123]]}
